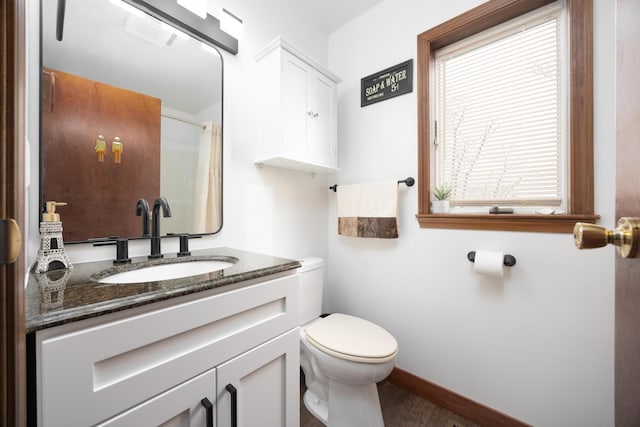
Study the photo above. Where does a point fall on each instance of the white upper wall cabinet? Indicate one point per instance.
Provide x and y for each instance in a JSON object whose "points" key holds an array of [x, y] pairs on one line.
{"points": [[298, 110]]}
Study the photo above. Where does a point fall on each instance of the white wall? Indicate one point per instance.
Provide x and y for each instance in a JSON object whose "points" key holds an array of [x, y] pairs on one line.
{"points": [[538, 344]]}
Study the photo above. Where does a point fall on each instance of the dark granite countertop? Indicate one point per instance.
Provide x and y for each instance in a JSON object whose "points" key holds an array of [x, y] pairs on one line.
{"points": [[63, 296]]}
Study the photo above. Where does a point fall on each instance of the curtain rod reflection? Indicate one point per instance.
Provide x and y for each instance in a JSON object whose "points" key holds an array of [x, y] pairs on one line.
{"points": [[169, 116]]}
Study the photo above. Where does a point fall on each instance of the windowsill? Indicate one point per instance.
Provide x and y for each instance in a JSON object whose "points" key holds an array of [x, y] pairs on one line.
{"points": [[505, 222]]}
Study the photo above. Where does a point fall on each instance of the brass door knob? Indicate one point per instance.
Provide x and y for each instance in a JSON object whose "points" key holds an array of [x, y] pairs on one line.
{"points": [[10, 241], [624, 236]]}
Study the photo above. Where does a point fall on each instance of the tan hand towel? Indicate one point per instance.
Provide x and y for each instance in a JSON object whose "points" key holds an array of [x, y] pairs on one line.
{"points": [[368, 210]]}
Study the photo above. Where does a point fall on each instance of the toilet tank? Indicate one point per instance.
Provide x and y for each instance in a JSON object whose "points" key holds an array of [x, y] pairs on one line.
{"points": [[311, 280]]}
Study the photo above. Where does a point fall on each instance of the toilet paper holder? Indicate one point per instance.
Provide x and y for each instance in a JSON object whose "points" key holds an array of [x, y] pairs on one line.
{"points": [[509, 260]]}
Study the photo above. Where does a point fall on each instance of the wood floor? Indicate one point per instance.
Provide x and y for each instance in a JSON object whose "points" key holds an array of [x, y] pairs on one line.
{"points": [[400, 409]]}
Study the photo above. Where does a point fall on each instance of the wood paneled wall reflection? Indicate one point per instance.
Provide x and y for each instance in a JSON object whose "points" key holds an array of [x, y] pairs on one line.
{"points": [[101, 196]]}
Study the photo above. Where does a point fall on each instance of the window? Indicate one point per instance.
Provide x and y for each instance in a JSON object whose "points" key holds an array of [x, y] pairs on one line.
{"points": [[498, 113], [496, 123]]}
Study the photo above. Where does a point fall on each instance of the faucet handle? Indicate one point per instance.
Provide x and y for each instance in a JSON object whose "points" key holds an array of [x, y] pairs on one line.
{"points": [[122, 252], [184, 245]]}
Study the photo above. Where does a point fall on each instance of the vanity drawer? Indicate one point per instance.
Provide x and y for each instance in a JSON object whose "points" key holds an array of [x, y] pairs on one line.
{"points": [[88, 372]]}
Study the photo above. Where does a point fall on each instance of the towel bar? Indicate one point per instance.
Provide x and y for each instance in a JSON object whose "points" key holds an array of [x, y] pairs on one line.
{"points": [[408, 181]]}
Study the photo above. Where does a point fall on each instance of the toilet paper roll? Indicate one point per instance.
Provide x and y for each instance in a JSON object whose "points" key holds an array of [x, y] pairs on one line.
{"points": [[489, 263]]}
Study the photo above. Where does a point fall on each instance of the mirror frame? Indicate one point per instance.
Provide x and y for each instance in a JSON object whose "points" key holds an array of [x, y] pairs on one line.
{"points": [[208, 32]]}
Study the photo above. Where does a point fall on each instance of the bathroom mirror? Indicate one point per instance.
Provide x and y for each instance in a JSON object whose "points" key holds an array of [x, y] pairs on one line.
{"points": [[131, 108]]}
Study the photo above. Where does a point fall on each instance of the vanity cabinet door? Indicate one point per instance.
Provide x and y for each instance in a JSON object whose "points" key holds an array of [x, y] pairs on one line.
{"points": [[181, 406], [262, 386]]}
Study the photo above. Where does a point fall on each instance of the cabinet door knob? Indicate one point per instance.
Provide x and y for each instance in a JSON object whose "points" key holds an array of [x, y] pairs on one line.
{"points": [[310, 113]]}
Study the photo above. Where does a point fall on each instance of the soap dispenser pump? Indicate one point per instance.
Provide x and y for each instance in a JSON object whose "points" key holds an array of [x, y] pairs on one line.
{"points": [[51, 243]]}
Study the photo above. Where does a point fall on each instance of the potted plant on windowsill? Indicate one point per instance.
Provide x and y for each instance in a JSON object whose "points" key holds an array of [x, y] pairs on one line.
{"points": [[441, 203]]}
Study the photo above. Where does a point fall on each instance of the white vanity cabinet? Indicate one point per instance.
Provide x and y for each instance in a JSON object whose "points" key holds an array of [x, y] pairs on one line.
{"points": [[163, 363], [298, 112]]}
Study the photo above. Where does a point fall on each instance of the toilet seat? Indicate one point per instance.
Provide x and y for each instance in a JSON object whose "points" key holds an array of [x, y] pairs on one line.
{"points": [[351, 338]]}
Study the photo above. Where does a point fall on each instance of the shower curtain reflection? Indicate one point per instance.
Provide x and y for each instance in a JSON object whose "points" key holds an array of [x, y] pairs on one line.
{"points": [[207, 215]]}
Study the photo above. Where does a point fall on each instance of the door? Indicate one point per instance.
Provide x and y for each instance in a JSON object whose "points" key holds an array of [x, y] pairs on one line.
{"points": [[12, 338], [74, 111], [262, 386], [627, 294]]}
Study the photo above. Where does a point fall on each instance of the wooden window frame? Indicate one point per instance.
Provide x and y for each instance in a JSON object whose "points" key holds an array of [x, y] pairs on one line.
{"points": [[580, 191]]}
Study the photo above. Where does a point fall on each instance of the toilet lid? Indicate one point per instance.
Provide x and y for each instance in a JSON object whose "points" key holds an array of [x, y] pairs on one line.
{"points": [[352, 338]]}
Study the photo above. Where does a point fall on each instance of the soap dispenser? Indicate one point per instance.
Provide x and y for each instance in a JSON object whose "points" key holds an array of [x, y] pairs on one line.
{"points": [[51, 243]]}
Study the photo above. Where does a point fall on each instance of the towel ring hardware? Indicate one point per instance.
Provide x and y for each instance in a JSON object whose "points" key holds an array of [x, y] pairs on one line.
{"points": [[509, 260], [408, 181]]}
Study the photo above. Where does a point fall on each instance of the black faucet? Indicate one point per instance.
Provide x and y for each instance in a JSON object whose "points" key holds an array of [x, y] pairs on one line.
{"points": [[155, 225], [142, 209]]}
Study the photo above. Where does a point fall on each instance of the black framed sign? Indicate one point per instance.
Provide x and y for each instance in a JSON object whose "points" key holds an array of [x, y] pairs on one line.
{"points": [[388, 83]]}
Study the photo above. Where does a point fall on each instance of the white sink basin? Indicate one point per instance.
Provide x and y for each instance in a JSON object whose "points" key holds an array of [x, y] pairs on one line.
{"points": [[158, 272]]}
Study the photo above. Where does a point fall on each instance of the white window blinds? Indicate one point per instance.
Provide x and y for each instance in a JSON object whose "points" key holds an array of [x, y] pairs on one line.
{"points": [[498, 134]]}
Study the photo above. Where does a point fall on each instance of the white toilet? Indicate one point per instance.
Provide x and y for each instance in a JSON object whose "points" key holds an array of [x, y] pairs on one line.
{"points": [[342, 357]]}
